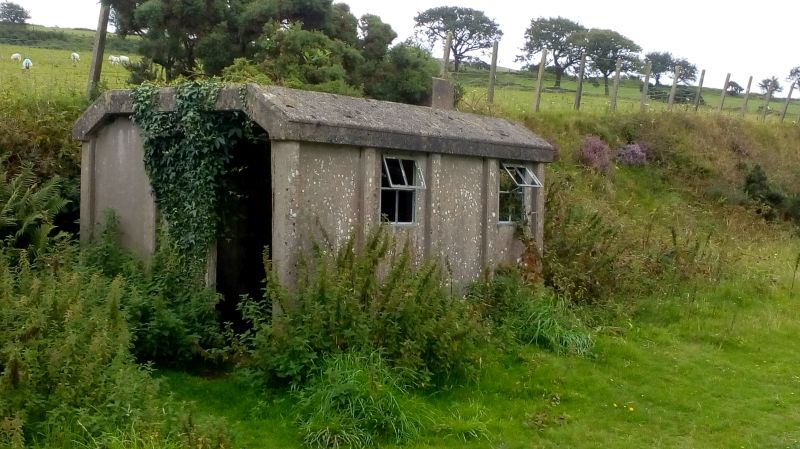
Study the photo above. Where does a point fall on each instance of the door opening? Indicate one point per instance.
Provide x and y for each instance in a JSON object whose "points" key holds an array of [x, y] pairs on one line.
{"points": [[247, 230]]}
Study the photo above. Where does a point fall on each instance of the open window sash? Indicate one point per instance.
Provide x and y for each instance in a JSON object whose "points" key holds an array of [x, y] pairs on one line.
{"points": [[403, 174], [522, 175]]}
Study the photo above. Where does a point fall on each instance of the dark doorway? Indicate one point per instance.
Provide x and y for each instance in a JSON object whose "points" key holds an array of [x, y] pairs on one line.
{"points": [[247, 229]]}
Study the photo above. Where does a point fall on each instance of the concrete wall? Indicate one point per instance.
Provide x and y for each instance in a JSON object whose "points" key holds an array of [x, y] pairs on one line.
{"points": [[113, 178], [330, 194], [458, 201], [326, 192]]}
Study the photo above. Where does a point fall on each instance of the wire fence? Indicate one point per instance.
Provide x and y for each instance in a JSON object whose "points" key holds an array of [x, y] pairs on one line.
{"points": [[53, 70], [55, 73], [517, 92]]}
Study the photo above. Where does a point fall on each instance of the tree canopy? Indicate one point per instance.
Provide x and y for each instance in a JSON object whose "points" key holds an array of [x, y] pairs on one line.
{"points": [[472, 29], [13, 13], [770, 85], [559, 36], [309, 44], [604, 48], [660, 63], [688, 70]]}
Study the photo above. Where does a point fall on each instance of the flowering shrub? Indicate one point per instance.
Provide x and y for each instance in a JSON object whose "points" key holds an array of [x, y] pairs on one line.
{"points": [[595, 154], [632, 155]]}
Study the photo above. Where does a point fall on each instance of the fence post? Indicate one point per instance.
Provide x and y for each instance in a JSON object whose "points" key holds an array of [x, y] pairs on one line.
{"points": [[540, 82], [616, 86], [766, 105], [788, 99], [699, 92], [96, 65], [646, 85], [446, 57], [675, 77], [579, 90], [492, 75], [724, 92], [746, 96]]}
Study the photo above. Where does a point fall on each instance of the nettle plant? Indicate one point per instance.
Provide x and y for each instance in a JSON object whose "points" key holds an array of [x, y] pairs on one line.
{"points": [[188, 155]]}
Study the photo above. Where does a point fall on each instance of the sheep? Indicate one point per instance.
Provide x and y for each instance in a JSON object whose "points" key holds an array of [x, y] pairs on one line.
{"points": [[16, 57], [113, 59], [124, 60], [74, 57], [26, 64]]}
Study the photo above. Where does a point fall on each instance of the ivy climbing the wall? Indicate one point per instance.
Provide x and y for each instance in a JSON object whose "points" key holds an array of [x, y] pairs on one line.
{"points": [[188, 156]]}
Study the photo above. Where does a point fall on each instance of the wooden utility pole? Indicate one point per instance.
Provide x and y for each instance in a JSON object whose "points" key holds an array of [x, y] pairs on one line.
{"points": [[724, 92], [492, 75], [96, 64], [579, 90], [539, 82], [616, 86], [675, 77], [698, 94], [646, 85], [788, 99], [446, 57], [747, 96]]}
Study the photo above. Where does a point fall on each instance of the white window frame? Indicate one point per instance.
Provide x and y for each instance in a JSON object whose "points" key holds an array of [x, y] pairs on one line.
{"points": [[419, 184], [526, 176], [420, 180], [524, 179]]}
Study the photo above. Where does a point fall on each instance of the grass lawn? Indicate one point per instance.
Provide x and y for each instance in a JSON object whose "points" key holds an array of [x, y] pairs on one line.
{"points": [[716, 371]]}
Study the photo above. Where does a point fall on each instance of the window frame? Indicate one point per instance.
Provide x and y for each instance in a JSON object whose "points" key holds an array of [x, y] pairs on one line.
{"points": [[418, 184], [524, 180], [533, 180]]}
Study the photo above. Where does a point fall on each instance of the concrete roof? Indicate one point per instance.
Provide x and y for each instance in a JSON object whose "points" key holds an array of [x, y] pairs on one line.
{"points": [[289, 114]]}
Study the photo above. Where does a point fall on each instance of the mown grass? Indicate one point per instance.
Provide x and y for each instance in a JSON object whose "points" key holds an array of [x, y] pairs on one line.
{"points": [[716, 372]]}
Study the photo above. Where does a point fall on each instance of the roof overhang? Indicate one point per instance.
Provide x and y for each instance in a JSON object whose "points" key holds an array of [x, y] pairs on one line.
{"points": [[306, 116]]}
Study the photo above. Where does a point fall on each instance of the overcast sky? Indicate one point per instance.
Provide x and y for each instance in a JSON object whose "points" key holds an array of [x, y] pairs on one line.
{"points": [[717, 36]]}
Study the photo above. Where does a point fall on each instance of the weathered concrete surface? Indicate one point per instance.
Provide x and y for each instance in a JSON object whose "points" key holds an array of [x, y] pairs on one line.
{"points": [[286, 188], [443, 96], [326, 158], [329, 197], [113, 178], [458, 207], [296, 115]]}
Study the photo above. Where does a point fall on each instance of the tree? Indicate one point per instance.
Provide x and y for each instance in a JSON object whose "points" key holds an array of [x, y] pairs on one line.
{"points": [[604, 48], [794, 75], [405, 75], [13, 13], [688, 70], [374, 37], [660, 63], [178, 35], [734, 88], [471, 29], [770, 85], [558, 36]]}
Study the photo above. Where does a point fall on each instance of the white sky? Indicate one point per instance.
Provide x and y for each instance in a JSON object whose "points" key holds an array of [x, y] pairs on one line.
{"points": [[717, 36]]}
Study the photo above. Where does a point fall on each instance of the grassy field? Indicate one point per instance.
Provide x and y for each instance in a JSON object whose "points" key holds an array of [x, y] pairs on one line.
{"points": [[515, 93], [53, 72], [710, 361], [709, 365]]}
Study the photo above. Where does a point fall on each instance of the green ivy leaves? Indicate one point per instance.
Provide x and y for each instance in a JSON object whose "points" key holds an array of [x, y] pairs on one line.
{"points": [[187, 155]]}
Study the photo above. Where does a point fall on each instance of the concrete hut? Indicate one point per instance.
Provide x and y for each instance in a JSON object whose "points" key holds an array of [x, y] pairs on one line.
{"points": [[455, 184]]}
